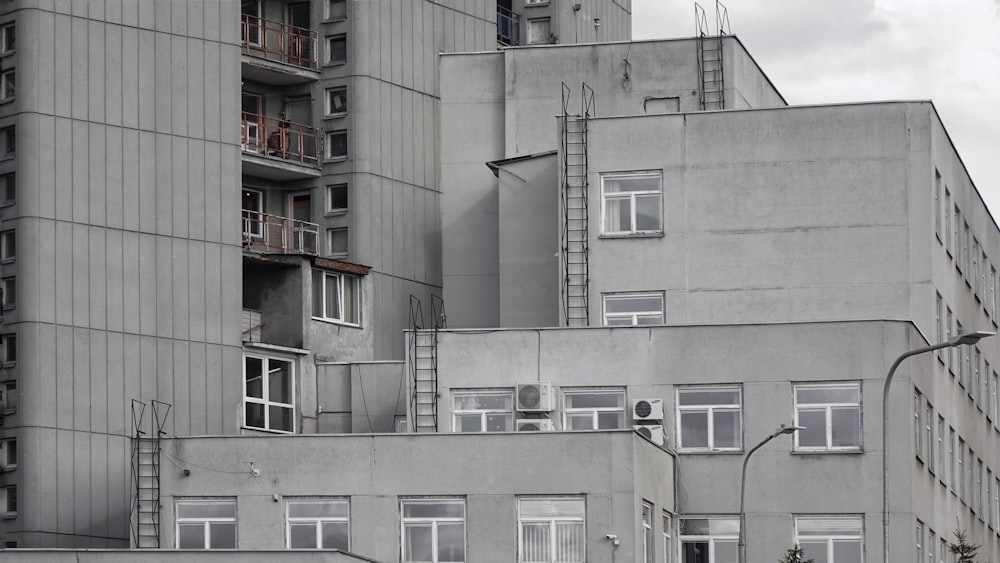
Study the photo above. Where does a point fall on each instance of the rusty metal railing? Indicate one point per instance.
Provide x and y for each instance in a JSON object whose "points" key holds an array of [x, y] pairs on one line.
{"points": [[280, 138], [276, 41], [267, 233]]}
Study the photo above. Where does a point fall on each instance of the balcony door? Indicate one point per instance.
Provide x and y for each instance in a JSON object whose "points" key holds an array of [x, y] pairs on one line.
{"points": [[253, 108], [300, 42], [251, 24], [303, 237]]}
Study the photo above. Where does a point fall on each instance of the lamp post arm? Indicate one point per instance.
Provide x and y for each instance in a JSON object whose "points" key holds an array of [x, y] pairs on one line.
{"points": [[743, 489], [885, 437]]}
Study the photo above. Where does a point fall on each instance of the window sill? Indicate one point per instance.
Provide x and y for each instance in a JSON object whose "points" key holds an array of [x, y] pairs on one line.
{"points": [[538, 5], [658, 234], [336, 322], [7, 204], [8, 260], [335, 159], [7, 100], [335, 19], [9, 515], [828, 452], [335, 115], [335, 213], [334, 64], [710, 452], [269, 431]]}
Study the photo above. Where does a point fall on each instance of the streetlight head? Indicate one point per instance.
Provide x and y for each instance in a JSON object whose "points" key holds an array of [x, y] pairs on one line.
{"points": [[788, 429], [969, 338]]}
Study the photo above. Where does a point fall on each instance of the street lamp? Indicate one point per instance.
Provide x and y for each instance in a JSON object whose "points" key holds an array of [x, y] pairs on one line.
{"points": [[743, 484], [967, 338]]}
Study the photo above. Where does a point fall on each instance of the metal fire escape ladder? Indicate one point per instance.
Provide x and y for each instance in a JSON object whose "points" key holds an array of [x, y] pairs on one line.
{"points": [[712, 91], [575, 209], [423, 369], [146, 475]]}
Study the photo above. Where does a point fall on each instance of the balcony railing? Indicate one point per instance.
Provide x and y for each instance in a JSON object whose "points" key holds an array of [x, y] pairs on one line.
{"points": [[280, 138], [508, 27], [280, 42], [278, 235], [250, 319]]}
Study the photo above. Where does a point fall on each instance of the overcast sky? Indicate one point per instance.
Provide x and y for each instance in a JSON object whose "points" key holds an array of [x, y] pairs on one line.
{"points": [[827, 51]]}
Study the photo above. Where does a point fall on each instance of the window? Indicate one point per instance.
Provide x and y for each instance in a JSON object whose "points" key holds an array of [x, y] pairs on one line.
{"points": [[668, 545], [630, 203], [928, 429], [944, 552], [993, 292], [8, 400], [336, 9], [947, 222], [919, 533], [318, 524], [336, 49], [551, 529], [994, 390], [8, 38], [8, 79], [974, 266], [8, 246], [939, 323], [648, 549], [539, 31], [831, 539], [942, 461], [593, 409], [937, 204], [433, 530], [977, 500], [831, 415], [995, 504], [253, 213], [973, 388], [988, 498], [8, 344], [206, 524], [966, 250], [336, 198], [8, 454], [629, 309], [336, 242], [268, 393], [960, 470], [336, 101], [949, 324], [336, 297], [8, 292], [482, 411], [953, 461], [918, 430], [336, 145], [9, 138], [8, 188], [956, 225], [931, 546], [709, 418], [8, 501], [709, 540]]}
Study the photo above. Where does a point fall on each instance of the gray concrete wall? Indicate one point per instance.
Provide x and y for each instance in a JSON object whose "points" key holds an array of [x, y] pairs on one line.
{"points": [[375, 470], [529, 243], [578, 26], [128, 247], [147, 556]]}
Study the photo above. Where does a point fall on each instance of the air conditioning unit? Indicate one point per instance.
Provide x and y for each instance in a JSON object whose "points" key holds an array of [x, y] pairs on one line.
{"points": [[535, 397], [647, 409], [534, 425], [653, 432]]}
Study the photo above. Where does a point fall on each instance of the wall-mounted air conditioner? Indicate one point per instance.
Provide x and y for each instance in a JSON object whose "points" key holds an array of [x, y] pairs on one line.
{"points": [[534, 425], [535, 397], [653, 432], [647, 409]]}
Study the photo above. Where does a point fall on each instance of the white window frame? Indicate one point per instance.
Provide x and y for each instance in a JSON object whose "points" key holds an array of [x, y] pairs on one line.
{"points": [[709, 410], [919, 545], [484, 414], [8, 38], [828, 408], [594, 413], [8, 454], [631, 196], [8, 246], [8, 405], [8, 348], [667, 531], [266, 401], [330, 234], [8, 497], [205, 521], [329, 15], [9, 296], [253, 219], [8, 81], [942, 461], [536, 22], [330, 39], [552, 521], [433, 522], [328, 142], [633, 316], [340, 280], [317, 521], [330, 110], [713, 537], [329, 198], [850, 522], [648, 541]]}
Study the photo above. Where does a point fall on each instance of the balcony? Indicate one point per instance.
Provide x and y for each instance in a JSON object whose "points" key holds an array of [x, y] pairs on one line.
{"points": [[278, 53], [279, 149], [508, 27], [272, 234], [251, 324]]}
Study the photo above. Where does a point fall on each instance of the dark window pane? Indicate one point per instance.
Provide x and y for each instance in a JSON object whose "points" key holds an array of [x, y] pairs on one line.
{"points": [[335, 535], [302, 535]]}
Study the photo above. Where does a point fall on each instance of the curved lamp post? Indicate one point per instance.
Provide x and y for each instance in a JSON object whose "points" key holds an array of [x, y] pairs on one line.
{"points": [[968, 338], [743, 484]]}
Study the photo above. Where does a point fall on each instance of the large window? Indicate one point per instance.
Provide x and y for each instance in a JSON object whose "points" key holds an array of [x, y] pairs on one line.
{"points": [[593, 409], [551, 530], [483, 411], [318, 524], [630, 203], [832, 539], [268, 393], [336, 297], [628, 309], [709, 418], [831, 415], [206, 524], [709, 540], [433, 530]]}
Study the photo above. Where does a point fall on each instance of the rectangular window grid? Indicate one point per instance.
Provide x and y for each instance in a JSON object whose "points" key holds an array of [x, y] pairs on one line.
{"points": [[648, 549], [483, 411], [830, 538], [631, 309], [336, 297], [709, 418], [268, 393], [318, 524], [631, 203], [593, 409], [336, 101], [336, 198], [551, 530], [433, 530], [336, 145], [206, 524], [668, 546], [831, 415], [709, 540], [336, 49]]}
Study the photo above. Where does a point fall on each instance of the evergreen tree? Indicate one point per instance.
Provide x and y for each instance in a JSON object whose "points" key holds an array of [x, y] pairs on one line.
{"points": [[964, 551], [794, 555]]}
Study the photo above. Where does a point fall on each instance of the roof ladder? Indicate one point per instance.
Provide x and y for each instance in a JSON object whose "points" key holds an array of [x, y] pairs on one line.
{"points": [[575, 209], [146, 506], [423, 365], [711, 68]]}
